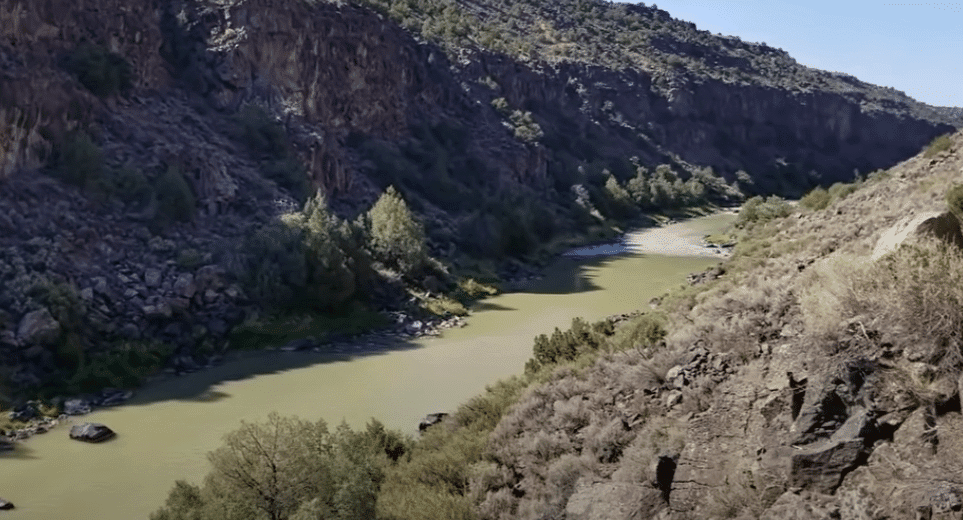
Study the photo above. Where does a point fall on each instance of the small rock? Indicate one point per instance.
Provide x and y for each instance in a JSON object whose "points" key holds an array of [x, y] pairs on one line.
{"points": [[673, 398], [91, 432], [152, 278], [431, 420], [87, 294], [76, 407], [100, 285], [38, 327], [184, 285], [5, 506]]}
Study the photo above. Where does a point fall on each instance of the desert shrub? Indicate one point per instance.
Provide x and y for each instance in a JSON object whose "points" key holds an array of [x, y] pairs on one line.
{"points": [[444, 306], [99, 70], [619, 198], [471, 289], [954, 201], [937, 145], [335, 260], [269, 143], [641, 331], [828, 295], [122, 365], [175, 198], [434, 482], [501, 106], [914, 293], [841, 190], [78, 159], [286, 467], [396, 237], [262, 133], [659, 436], [526, 129], [289, 173], [129, 185], [758, 210], [271, 264], [816, 199]]}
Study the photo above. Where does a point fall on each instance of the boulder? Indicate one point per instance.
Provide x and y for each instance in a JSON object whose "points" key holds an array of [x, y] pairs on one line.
{"points": [[91, 432], [431, 420], [821, 466], [152, 278], [614, 501], [38, 327], [76, 407], [185, 286], [943, 225], [5, 505]]}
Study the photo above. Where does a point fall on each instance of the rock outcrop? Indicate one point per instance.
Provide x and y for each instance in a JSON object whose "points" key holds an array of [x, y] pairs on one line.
{"points": [[91, 432]]}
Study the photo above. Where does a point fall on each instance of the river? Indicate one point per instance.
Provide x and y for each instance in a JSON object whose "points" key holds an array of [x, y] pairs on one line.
{"points": [[164, 432]]}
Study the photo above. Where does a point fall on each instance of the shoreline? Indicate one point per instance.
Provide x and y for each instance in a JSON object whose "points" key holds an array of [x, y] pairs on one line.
{"points": [[406, 327]]}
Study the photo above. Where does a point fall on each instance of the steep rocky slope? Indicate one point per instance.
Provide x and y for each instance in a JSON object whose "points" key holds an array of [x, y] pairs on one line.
{"points": [[242, 108], [814, 376]]}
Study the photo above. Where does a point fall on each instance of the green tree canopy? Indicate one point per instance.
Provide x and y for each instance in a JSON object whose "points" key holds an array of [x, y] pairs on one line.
{"points": [[396, 237]]}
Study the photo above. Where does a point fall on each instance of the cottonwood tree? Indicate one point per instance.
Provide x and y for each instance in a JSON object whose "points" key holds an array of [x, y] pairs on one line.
{"points": [[275, 466]]}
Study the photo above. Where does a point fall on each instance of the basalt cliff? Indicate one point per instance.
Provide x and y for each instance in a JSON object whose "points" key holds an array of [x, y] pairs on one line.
{"points": [[498, 123]]}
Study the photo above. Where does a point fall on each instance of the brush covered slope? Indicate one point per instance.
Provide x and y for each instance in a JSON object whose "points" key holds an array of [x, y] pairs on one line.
{"points": [[149, 148], [816, 375]]}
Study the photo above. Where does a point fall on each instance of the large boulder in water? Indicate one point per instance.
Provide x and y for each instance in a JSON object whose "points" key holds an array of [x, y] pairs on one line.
{"points": [[91, 432]]}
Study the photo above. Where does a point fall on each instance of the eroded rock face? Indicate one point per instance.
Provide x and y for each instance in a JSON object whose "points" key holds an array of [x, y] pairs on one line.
{"points": [[613, 501], [943, 225]]}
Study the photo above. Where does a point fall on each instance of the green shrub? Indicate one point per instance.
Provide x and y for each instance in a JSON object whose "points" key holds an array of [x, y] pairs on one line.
{"points": [[129, 185], [99, 70], [841, 190], [396, 237], [562, 346], [954, 200], [526, 129], [264, 135], [937, 145], [286, 467], [175, 198], [268, 141], [757, 210], [79, 160], [444, 306], [816, 199], [123, 365]]}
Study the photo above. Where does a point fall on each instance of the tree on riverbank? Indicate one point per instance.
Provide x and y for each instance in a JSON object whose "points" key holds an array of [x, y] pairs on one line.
{"points": [[396, 236], [287, 467]]}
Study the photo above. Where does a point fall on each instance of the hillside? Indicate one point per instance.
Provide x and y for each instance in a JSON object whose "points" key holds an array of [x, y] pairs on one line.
{"points": [[814, 375], [150, 147]]}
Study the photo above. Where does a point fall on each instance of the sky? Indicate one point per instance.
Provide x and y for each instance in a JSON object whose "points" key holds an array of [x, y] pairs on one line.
{"points": [[913, 47]]}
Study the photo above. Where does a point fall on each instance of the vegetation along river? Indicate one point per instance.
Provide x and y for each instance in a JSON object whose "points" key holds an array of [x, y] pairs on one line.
{"points": [[165, 431]]}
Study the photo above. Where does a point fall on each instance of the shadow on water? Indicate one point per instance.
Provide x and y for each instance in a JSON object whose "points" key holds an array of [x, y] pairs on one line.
{"points": [[567, 275], [483, 305], [20, 451], [199, 386], [573, 274]]}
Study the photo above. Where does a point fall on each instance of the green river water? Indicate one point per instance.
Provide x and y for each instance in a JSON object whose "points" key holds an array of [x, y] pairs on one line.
{"points": [[165, 431]]}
